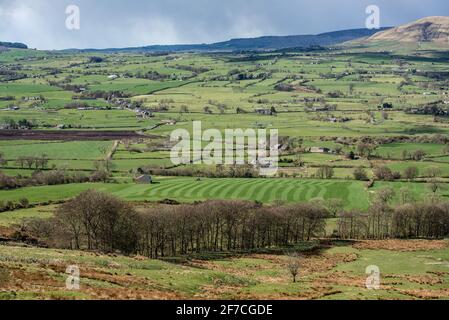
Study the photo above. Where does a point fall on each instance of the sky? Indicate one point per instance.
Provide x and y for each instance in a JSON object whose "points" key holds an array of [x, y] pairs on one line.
{"points": [[41, 24]]}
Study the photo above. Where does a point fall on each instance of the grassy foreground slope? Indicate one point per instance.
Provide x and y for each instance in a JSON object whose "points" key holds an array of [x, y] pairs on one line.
{"points": [[409, 269]]}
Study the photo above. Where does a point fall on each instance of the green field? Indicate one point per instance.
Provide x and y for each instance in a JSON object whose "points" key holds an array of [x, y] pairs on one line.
{"points": [[353, 194], [340, 111]]}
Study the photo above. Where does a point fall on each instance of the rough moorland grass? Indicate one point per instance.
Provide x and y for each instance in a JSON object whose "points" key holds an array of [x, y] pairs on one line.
{"points": [[333, 273]]}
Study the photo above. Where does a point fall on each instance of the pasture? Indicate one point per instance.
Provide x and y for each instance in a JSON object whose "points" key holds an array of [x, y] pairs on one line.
{"points": [[368, 106], [353, 194]]}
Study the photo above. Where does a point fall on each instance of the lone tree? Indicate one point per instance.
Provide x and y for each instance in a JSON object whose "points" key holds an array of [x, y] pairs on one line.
{"points": [[385, 195], [433, 172], [361, 174], [419, 155], [435, 185], [293, 265], [184, 109], [334, 206], [325, 172], [411, 173], [351, 88], [3, 161], [366, 149]]}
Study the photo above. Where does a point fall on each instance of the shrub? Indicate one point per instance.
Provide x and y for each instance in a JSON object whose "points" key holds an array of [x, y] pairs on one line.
{"points": [[383, 173], [325, 172], [360, 174]]}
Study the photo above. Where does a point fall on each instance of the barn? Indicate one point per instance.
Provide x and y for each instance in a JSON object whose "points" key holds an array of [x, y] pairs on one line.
{"points": [[144, 179]]}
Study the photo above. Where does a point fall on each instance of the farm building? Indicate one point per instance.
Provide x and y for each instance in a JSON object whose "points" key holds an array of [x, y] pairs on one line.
{"points": [[265, 112], [319, 150], [169, 122], [144, 179], [144, 114]]}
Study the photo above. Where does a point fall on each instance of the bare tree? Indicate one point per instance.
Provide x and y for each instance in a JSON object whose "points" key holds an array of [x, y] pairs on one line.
{"points": [[325, 172], [435, 185], [411, 173], [433, 172], [293, 265], [3, 161], [334, 206]]}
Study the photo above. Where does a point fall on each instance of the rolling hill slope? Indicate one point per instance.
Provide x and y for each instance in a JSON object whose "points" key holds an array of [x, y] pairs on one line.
{"points": [[261, 43], [430, 29], [15, 45]]}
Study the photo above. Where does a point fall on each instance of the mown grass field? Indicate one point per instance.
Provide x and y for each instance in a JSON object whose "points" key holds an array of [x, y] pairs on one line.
{"points": [[353, 194]]}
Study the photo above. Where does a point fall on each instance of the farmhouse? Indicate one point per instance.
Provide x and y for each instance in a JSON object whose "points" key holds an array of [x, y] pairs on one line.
{"points": [[31, 98], [144, 179], [12, 108], [265, 112], [335, 119], [320, 109], [144, 114], [169, 122], [435, 109], [319, 150], [385, 106]]}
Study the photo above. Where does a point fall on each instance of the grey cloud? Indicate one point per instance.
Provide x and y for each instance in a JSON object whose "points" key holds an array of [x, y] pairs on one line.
{"points": [[120, 23]]}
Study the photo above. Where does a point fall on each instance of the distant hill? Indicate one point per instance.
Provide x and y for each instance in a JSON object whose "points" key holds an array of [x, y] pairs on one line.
{"points": [[430, 29], [261, 43], [282, 42], [15, 45]]}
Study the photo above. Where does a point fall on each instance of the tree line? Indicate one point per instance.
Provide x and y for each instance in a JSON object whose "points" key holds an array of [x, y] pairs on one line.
{"points": [[408, 220], [98, 221], [50, 178]]}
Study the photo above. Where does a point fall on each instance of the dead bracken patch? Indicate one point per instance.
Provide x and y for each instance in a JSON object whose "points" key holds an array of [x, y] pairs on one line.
{"points": [[312, 268], [339, 278], [28, 281], [308, 294], [427, 279], [401, 245], [218, 292], [6, 233], [125, 287], [426, 294], [325, 262]]}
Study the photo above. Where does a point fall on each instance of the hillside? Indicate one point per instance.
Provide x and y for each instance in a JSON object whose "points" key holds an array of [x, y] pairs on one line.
{"points": [[15, 45], [261, 43], [430, 29], [330, 273], [266, 43]]}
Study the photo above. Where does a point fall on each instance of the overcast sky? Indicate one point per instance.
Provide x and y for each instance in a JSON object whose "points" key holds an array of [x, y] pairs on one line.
{"points": [[123, 23]]}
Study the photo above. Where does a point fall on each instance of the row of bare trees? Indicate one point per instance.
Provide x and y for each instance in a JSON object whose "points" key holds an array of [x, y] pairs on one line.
{"points": [[101, 222], [98, 221], [40, 162], [50, 178], [429, 220], [218, 226]]}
